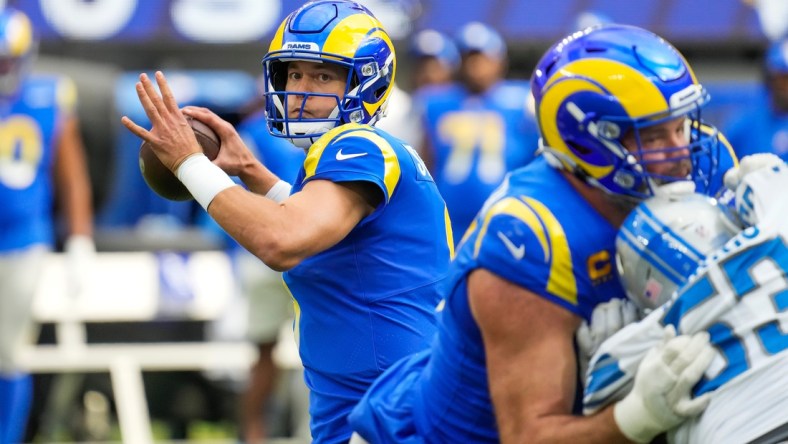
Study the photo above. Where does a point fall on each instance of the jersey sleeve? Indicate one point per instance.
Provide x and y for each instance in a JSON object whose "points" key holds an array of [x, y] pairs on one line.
{"points": [[354, 153], [520, 240]]}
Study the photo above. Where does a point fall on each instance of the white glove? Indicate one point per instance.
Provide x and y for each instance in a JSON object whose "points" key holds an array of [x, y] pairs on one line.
{"points": [[759, 183], [80, 256], [606, 319], [661, 396]]}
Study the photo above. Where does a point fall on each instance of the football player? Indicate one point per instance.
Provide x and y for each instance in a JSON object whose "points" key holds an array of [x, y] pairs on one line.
{"points": [[435, 58], [42, 160], [362, 235], [478, 129], [738, 296], [618, 110]]}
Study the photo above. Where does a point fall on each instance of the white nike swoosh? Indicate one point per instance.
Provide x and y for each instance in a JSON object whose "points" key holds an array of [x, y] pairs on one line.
{"points": [[517, 251], [341, 156]]}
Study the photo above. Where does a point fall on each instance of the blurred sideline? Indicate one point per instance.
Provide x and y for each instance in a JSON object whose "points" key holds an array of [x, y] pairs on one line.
{"points": [[139, 287]]}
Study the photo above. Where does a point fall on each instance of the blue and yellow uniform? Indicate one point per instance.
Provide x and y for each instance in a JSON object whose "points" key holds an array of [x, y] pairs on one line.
{"points": [[475, 140], [28, 139], [370, 299], [533, 231], [30, 125]]}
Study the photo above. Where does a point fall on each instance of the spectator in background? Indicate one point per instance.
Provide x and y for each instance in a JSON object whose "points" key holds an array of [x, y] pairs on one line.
{"points": [[764, 126], [478, 129], [42, 164]]}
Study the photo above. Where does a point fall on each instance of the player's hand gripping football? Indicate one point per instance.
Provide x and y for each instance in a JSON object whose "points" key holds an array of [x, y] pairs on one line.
{"points": [[234, 158], [661, 397], [171, 137]]}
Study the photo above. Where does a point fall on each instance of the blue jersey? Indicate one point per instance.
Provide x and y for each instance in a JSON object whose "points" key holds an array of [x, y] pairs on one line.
{"points": [[27, 155], [760, 130], [475, 141], [370, 299], [535, 231]]}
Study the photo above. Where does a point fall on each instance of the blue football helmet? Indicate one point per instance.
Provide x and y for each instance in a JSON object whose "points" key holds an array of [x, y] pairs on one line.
{"points": [[478, 37], [597, 86], [329, 31], [432, 43], [18, 48], [663, 241]]}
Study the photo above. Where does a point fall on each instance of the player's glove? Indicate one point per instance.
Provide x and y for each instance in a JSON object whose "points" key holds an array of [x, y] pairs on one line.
{"points": [[759, 183], [661, 397], [80, 256], [606, 319]]}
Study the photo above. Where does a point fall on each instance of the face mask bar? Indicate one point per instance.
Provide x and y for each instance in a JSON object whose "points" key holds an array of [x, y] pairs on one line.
{"points": [[700, 158], [348, 109]]}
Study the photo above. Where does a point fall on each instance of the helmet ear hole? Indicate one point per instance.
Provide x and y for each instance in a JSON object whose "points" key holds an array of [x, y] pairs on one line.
{"points": [[380, 92]]}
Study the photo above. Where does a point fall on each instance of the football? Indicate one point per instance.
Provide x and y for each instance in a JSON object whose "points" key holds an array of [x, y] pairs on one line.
{"points": [[160, 179]]}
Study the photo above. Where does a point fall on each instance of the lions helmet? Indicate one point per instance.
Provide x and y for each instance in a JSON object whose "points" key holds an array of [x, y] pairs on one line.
{"points": [[329, 31], [597, 86], [662, 242], [17, 50]]}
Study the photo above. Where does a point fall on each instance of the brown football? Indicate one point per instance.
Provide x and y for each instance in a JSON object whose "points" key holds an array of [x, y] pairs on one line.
{"points": [[160, 179]]}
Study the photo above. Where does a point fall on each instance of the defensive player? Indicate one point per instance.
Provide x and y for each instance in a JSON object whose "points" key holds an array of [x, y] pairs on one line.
{"points": [[363, 235], [738, 295], [41, 161], [478, 129], [618, 111]]}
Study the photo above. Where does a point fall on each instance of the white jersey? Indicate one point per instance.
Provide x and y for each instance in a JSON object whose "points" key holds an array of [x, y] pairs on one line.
{"points": [[740, 296]]}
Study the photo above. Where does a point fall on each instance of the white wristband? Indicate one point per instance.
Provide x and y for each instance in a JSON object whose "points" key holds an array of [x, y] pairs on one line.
{"points": [[279, 192], [203, 179]]}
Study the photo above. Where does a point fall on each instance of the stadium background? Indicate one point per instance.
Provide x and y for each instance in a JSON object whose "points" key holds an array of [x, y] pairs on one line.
{"points": [[104, 44], [97, 40]]}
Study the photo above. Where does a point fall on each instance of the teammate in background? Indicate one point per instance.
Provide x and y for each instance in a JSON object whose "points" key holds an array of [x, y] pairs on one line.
{"points": [[764, 126], [42, 162], [360, 199], [618, 111], [435, 62], [738, 296], [478, 129], [435, 59]]}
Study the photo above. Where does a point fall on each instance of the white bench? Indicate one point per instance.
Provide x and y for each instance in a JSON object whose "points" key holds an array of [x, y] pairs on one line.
{"points": [[126, 288]]}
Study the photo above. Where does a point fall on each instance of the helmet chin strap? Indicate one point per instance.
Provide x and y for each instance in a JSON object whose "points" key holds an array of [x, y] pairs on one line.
{"points": [[310, 131]]}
